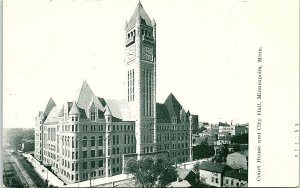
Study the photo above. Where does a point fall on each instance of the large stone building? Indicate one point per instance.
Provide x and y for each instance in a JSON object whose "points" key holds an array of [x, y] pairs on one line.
{"points": [[89, 136]]}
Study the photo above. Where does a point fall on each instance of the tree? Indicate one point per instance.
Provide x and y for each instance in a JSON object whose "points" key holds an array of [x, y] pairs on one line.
{"points": [[151, 173], [196, 167], [203, 150], [221, 156], [240, 139]]}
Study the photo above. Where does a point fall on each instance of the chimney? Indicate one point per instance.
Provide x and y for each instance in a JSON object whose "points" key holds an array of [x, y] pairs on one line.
{"points": [[178, 180], [184, 166]]}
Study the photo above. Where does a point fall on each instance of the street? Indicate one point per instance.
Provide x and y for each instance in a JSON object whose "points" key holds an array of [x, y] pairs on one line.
{"points": [[19, 172]]}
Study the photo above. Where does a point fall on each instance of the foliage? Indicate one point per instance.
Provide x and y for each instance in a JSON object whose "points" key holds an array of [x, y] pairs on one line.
{"points": [[14, 136], [240, 139], [199, 130], [203, 150], [236, 147], [151, 173], [196, 167], [221, 156]]}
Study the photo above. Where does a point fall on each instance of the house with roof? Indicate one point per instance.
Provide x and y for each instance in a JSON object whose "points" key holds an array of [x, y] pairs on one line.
{"points": [[212, 173], [238, 160], [222, 175], [188, 175], [235, 178], [90, 136]]}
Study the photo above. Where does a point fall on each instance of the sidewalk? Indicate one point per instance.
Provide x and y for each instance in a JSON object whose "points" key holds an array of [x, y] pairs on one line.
{"points": [[54, 180], [100, 181], [43, 171]]}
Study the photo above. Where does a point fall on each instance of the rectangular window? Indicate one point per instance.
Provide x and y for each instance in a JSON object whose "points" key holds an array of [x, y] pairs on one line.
{"points": [[93, 164], [92, 153], [93, 117], [84, 164], [84, 154], [100, 163], [100, 153]]}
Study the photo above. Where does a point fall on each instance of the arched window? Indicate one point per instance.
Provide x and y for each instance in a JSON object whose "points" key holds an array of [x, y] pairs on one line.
{"points": [[117, 139], [100, 141], [84, 144], [92, 141], [114, 139]]}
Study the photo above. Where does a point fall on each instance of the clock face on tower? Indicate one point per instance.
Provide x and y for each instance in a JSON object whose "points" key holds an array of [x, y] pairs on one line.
{"points": [[130, 53], [147, 53]]}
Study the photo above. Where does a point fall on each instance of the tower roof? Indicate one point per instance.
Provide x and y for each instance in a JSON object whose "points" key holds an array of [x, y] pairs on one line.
{"points": [[85, 95], [173, 106], [139, 12], [107, 111], [49, 107], [74, 110]]}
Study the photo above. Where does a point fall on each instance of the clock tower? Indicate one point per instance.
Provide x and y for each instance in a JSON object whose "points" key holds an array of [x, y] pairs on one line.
{"points": [[140, 66]]}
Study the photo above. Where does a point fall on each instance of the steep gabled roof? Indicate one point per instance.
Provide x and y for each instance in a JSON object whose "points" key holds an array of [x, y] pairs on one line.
{"points": [[61, 112], [139, 12], [162, 114], [183, 173], [53, 116], [173, 106], [49, 107], [119, 109], [84, 97], [74, 110]]}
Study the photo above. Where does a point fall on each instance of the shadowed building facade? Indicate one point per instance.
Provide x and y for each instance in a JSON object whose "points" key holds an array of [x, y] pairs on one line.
{"points": [[91, 137]]}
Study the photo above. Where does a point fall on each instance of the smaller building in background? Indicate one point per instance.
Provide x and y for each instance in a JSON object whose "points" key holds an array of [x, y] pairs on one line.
{"points": [[235, 178], [212, 173], [222, 175], [238, 160], [240, 129], [188, 175]]}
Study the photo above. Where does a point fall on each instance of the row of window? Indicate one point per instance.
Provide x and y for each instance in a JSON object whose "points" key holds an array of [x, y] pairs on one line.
{"points": [[86, 128], [167, 137], [173, 127], [232, 182]]}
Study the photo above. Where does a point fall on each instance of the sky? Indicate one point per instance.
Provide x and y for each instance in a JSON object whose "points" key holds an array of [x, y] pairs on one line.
{"points": [[206, 53]]}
